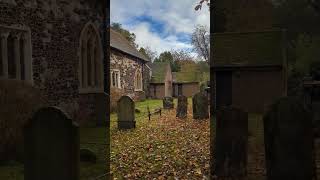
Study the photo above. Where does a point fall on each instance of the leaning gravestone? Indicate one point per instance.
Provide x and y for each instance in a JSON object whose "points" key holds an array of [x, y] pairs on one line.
{"points": [[200, 106], [231, 143], [126, 109], [168, 103], [288, 140], [51, 146], [182, 107], [101, 109]]}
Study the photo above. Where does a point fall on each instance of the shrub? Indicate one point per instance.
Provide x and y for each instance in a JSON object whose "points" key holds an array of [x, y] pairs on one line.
{"points": [[115, 95], [18, 102]]}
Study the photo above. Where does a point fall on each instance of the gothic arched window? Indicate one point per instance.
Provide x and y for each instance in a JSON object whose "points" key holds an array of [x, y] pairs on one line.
{"points": [[91, 60], [15, 53], [138, 81]]}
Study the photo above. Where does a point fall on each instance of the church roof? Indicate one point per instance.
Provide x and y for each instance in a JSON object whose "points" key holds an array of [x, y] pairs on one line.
{"points": [[120, 43], [265, 48]]}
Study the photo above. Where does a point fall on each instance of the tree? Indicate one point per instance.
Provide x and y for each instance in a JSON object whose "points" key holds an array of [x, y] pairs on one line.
{"points": [[181, 55], [201, 42], [301, 20], [131, 37], [199, 6], [166, 56], [148, 52]]}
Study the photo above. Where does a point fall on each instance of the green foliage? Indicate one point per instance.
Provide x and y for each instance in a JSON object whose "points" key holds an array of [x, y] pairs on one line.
{"points": [[166, 56], [131, 37]]}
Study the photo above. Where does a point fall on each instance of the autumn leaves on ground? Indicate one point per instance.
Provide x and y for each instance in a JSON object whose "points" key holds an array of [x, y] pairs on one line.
{"points": [[163, 148]]}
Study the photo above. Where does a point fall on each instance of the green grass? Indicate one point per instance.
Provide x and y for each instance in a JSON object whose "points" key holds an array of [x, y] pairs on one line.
{"points": [[12, 170], [94, 139], [152, 103]]}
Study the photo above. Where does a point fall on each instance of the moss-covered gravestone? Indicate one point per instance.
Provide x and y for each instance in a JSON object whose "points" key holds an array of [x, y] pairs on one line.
{"points": [[182, 107], [101, 108], [51, 146], [288, 140], [231, 142], [200, 106], [126, 109], [168, 103]]}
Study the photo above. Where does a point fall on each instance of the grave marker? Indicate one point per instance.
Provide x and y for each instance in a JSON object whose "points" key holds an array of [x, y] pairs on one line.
{"points": [[288, 140], [168, 103], [126, 115], [182, 107], [200, 106], [231, 143], [51, 146]]}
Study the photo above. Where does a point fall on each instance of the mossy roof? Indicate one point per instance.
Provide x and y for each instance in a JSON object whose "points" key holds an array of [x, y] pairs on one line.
{"points": [[188, 73], [120, 43], [248, 48], [158, 72]]}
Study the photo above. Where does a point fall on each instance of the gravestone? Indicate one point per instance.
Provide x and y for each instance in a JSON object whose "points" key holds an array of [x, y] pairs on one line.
{"points": [[126, 116], [52, 145], [168, 103], [200, 106], [101, 108], [288, 140], [231, 143], [182, 107], [315, 107]]}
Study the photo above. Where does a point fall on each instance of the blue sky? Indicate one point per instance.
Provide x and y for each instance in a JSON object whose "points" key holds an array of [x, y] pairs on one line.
{"points": [[160, 24]]}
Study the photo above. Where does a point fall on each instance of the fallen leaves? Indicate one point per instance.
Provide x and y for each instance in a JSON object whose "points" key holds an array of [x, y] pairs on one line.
{"points": [[164, 148]]}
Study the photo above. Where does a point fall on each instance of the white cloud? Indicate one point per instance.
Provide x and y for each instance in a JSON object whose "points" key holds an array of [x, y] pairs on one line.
{"points": [[178, 16], [144, 38]]}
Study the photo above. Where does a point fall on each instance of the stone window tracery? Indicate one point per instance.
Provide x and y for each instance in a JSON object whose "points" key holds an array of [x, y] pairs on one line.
{"points": [[15, 53], [91, 60], [115, 78], [138, 81]]}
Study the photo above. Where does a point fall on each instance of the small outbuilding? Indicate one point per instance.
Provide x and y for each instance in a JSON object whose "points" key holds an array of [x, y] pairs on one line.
{"points": [[182, 84], [249, 69]]}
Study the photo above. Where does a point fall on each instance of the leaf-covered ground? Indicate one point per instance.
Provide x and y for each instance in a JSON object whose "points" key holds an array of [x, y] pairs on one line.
{"points": [[163, 148]]}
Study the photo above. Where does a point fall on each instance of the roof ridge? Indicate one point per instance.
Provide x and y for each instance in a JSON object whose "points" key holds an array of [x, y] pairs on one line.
{"points": [[129, 44]]}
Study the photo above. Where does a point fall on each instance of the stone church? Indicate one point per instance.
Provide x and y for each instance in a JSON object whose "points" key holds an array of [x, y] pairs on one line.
{"points": [[128, 68], [56, 46]]}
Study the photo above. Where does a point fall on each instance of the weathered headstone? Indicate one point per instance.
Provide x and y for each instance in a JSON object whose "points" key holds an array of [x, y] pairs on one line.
{"points": [[51, 146], [288, 140], [315, 107], [101, 108], [168, 82], [168, 103], [182, 107], [126, 116], [231, 143], [200, 106]]}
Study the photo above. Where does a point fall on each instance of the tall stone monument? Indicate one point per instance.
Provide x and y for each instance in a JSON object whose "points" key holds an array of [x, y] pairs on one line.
{"points": [[168, 100]]}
